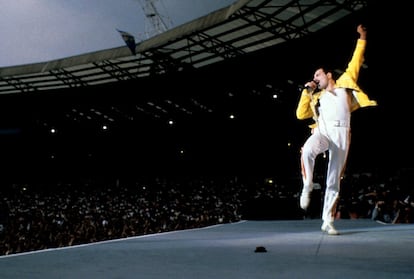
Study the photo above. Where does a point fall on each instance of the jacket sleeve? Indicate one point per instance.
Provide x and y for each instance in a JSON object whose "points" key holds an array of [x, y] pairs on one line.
{"points": [[356, 61], [304, 110], [350, 77]]}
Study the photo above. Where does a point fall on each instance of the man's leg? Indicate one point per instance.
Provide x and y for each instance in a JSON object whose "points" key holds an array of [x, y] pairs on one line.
{"points": [[337, 157], [314, 145]]}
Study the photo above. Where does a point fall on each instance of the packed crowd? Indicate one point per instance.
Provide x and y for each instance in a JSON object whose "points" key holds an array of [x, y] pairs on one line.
{"points": [[36, 217]]}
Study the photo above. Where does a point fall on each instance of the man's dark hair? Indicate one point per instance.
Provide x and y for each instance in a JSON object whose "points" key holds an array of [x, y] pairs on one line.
{"points": [[335, 73]]}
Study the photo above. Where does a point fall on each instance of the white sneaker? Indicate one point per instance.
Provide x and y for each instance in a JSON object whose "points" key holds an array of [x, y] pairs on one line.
{"points": [[329, 228], [304, 200]]}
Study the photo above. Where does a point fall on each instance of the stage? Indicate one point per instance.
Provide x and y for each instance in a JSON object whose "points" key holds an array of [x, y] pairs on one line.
{"points": [[293, 249]]}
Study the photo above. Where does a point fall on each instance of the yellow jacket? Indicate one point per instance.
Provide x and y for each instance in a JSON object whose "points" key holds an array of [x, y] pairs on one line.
{"points": [[307, 101]]}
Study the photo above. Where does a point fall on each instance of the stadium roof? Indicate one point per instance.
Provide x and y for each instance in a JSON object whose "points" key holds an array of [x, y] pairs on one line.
{"points": [[244, 27]]}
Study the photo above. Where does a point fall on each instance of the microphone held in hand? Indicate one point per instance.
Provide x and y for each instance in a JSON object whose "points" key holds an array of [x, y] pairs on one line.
{"points": [[309, 88]]}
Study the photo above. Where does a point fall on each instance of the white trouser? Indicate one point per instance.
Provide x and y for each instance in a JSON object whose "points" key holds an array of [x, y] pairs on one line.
{"points": [[335, 139]]}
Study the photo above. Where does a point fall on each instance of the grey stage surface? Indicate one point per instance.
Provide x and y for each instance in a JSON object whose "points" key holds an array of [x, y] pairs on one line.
{"points": [[295, 249]]}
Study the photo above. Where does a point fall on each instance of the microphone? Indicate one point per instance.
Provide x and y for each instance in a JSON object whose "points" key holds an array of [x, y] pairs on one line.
{"points": [[309, 88]]}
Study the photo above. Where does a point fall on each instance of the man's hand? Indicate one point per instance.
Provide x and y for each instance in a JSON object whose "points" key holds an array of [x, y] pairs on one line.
{"points": [[362, 30], [311, 86]]}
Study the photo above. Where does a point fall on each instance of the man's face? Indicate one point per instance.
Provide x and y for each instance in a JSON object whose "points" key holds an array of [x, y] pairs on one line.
{"points": [[321, 78]]}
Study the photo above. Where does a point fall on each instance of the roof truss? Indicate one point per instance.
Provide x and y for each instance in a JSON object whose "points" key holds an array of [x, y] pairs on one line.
{"points": [[244, 27]]}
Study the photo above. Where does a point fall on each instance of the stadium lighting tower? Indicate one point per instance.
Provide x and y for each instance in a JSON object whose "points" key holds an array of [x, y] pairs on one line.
{"points": [[156, 23]]}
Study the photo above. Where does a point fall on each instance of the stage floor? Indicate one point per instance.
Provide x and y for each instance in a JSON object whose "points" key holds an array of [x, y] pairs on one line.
{"points": [[294, 249]]}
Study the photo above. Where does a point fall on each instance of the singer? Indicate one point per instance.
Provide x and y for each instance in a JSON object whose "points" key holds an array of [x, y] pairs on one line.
{"points": [[330, 108]]}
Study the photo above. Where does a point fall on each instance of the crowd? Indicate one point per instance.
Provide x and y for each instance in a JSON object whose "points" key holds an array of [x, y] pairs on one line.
{"points": [[388, 199], [42, 216]]}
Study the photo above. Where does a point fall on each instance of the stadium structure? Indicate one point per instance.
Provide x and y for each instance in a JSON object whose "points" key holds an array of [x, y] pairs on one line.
{"points": [[214, 94]]}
